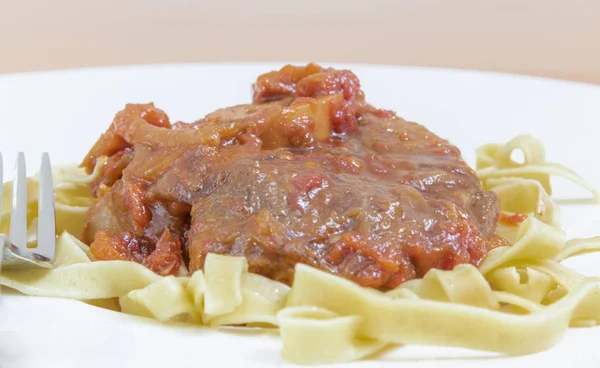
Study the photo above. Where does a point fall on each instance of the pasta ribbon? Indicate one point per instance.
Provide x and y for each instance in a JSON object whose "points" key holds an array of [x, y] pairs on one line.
{"points": [[448, 286], [526, 283], [519, 195], [232, 296], [494, 161], [94, 280], [223, 284], [514, 304], [420, 321], [262, 299], [535, 240], [313, 335], [494, 157], [196, 287], [163, 300], [524, 187], [579, 246]]}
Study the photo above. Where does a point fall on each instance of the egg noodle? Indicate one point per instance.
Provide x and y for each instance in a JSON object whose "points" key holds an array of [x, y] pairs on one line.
{"points": [[520, 300]]}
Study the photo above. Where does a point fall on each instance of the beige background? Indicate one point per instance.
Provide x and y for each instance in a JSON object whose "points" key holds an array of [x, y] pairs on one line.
{"points": [[553, 38]]}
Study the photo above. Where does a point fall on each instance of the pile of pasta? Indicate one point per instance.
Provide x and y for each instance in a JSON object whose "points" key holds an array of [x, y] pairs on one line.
{"points": [[520, 300]]}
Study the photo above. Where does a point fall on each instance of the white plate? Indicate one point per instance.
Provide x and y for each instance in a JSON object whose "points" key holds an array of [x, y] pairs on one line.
{"points": [[64, 112]]}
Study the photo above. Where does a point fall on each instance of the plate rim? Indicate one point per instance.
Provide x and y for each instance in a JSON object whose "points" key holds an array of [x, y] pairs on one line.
{"points": [[123, 68]]}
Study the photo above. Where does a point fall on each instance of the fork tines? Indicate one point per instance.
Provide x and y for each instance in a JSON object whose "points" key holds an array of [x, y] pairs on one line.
{"points": [[46, 233], [46, 230], [18, 217]]}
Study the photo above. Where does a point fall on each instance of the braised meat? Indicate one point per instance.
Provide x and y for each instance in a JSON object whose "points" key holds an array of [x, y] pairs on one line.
{"points": [[308, 172]]}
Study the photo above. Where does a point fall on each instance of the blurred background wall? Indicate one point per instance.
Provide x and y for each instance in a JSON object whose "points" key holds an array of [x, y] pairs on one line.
{"points": [[552, 38]]}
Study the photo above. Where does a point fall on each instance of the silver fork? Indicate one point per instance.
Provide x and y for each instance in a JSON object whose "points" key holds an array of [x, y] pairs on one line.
{"points": [[15, 253]]}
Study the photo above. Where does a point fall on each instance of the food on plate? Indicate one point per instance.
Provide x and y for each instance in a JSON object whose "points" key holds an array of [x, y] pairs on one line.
{"points": [[342, 224], [308, 173]]}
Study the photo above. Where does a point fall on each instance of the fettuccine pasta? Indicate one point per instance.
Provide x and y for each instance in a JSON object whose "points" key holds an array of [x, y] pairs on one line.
{"points": [[520, 300]]}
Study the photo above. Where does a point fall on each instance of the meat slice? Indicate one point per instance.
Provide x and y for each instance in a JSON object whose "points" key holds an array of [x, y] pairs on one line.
{"points": [[307, 173], [327, 207]]}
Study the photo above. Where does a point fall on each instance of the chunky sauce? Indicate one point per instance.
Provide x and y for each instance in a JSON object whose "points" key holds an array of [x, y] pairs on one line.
{"points": [[309, 172]]}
